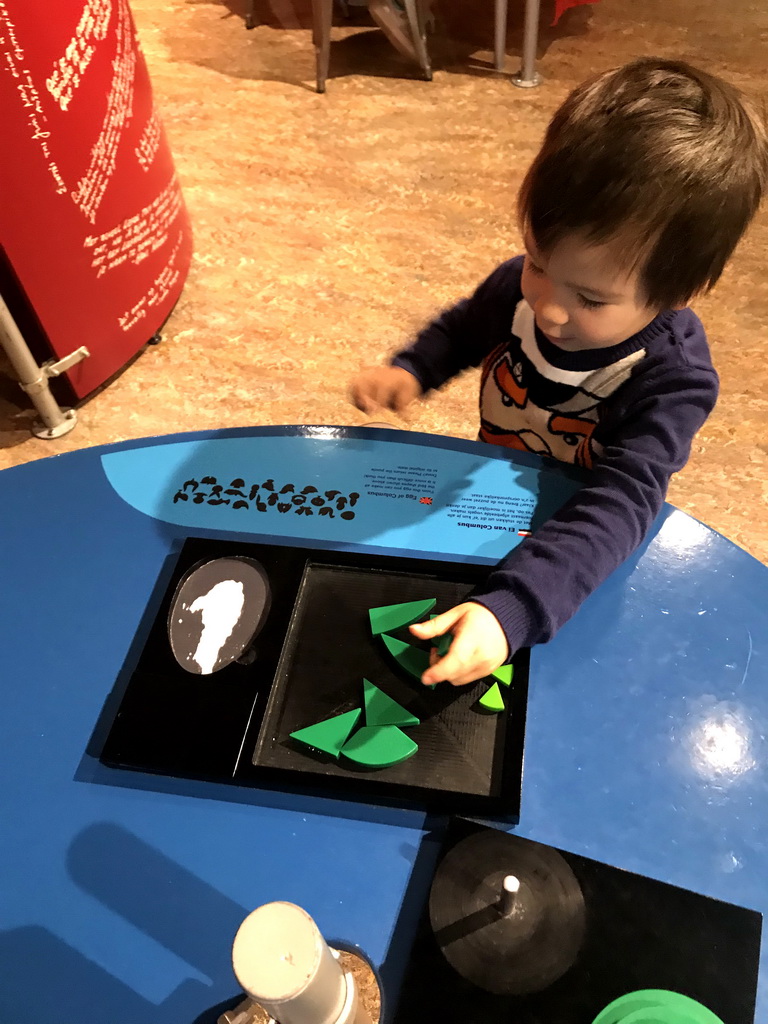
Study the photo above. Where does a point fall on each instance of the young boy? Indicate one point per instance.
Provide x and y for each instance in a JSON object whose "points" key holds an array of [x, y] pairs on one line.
{"points": [[647, 178]]}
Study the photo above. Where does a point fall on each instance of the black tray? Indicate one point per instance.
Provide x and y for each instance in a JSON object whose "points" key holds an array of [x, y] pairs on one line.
{"points": [[311, 657], [640, 934]]}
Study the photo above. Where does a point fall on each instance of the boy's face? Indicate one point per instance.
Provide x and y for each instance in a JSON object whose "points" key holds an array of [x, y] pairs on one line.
{"points": [[580, 297]]}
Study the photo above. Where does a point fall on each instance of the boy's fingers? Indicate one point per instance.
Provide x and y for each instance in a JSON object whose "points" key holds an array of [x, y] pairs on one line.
{"points": [[434, 627], [360, 399], [461, 665], [403, 398], [450, 667], [447, 669]]}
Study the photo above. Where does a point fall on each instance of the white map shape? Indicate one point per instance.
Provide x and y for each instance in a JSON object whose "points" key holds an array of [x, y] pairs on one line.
{"points": [[220, 610]]}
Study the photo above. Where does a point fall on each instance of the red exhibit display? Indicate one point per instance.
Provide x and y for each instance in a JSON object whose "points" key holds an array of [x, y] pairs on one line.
{"points": [[93, 230]]}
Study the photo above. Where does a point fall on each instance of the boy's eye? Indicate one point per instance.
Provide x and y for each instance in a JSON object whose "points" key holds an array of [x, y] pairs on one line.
{"points": [[533, 267], [590, 303]]}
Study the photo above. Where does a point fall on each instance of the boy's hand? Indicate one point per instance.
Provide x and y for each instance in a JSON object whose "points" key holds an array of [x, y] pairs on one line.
{"points": [[478, 648], [388, 387]]}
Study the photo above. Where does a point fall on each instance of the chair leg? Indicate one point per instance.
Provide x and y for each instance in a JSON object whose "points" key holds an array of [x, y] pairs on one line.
{"points": [[500, 41], [250, 14], [416, 25], [322, 15]]}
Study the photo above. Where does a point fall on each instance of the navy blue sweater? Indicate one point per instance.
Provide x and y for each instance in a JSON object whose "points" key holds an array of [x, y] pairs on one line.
{"points": [[627, 414]]}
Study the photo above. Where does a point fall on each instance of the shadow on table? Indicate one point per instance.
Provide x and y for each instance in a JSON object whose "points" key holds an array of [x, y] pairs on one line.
{"points": [[42, 978]]}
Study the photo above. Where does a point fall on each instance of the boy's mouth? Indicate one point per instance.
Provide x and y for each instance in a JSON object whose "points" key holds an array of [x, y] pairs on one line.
{"points": [[553, 339]]}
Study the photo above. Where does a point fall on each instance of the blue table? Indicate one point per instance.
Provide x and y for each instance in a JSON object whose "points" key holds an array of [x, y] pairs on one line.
{"points": [[121, 892]]}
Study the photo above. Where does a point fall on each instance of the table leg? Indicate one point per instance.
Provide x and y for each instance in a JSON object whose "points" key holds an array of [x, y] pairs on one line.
{"points": [[500, 41], [322, 15], [528, 77]]}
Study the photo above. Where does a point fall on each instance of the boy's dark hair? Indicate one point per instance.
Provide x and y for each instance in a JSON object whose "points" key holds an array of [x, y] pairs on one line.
{"points": [[666, 160]]}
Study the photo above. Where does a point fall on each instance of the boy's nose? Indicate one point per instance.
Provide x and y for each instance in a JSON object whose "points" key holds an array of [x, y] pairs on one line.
{"points": [[550, 314]]}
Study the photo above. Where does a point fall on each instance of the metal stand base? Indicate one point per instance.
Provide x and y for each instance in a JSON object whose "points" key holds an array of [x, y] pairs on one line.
{"points": [[39, 429], [526, 83]]}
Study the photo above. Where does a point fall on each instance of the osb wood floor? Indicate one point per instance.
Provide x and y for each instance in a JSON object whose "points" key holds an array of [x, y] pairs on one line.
{"points": [[329, 228]]}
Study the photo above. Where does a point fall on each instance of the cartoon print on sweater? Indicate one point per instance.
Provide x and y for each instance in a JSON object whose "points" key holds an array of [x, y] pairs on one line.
{"points": [[529, 404]]}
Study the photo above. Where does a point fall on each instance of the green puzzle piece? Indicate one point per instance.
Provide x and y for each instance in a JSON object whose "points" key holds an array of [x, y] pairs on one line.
{"points": [[379, 746], [331, 735], [392, 616], [504, 674], [656, 1006], [383, 710], [412, 659], [492, 699]]}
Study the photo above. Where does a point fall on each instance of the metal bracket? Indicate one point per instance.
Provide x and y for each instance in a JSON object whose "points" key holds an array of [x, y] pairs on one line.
{"points": [[53, 368]]}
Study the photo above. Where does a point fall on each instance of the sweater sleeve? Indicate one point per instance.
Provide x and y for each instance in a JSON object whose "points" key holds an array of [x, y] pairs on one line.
{"points": [[544, 580], [463, 335]]}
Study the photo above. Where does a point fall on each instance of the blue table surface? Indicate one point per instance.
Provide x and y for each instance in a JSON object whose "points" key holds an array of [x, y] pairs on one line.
{"points": [[121, 892]]}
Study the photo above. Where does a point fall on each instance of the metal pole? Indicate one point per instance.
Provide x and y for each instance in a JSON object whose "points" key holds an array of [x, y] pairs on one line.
{"points": [[528, 77], [500, 36], [414, 14], [55, 421]]}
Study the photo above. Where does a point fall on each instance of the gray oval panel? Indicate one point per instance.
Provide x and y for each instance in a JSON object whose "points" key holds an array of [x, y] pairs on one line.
{"points": [[218, 609]]}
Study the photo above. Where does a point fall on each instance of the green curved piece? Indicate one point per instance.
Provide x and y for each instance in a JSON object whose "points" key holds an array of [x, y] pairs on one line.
{"points": [[379, 746], [659, 1015], [381, 709], [492, 699], [412, 659], [656, 1006], [331, 735], [504, 674], [392, 616]]}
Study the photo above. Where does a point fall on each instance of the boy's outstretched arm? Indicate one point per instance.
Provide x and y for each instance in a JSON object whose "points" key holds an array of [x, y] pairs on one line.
{"points": [[460, 337], [479, 645], [546, 578]]}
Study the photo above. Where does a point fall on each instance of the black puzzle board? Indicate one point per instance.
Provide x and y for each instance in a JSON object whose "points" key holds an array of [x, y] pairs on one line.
{"points": [[325, 658], [640, 934], [312, 654]]}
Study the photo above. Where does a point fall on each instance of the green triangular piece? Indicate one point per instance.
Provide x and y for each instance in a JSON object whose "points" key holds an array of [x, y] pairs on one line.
{"points": [[378, 746], [492, 700], [393, 616], [442, 643], [382, 710], [330, 735], [504, 674], [412, 659]]}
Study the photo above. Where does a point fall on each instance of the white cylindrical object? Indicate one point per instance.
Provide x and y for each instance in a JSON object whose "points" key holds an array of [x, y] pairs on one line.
{"points": [[509, 890], [353, 1011], [284, 963]]}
